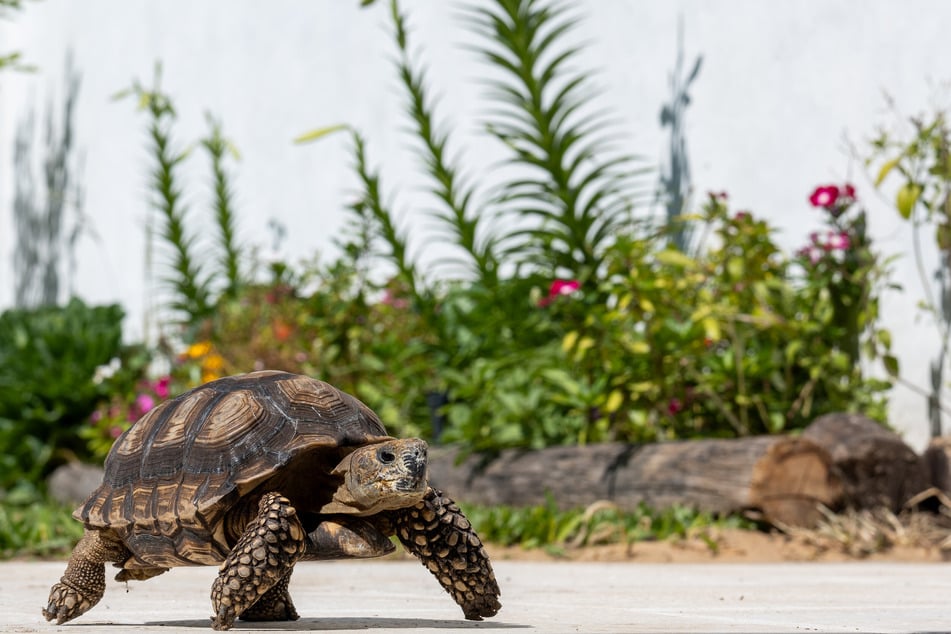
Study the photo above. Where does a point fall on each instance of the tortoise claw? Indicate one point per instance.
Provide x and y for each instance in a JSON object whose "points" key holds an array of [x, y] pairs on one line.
{"points": [[66, 603]]}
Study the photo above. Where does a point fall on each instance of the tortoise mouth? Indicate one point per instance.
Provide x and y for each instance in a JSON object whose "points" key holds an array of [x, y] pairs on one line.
{"points": [[414, 483]]}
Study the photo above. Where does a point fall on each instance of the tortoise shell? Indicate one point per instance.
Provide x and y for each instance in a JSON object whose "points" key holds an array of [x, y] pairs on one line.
{"points": [[172, 477]]}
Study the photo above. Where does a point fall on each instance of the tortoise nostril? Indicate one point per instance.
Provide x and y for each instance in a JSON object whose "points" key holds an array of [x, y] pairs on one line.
{"points": [[386, 456]]}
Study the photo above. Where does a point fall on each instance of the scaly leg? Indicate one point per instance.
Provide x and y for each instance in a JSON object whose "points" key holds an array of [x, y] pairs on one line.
{"points": [[84, 582], [437, 532], [274, 605], [261, 559]]}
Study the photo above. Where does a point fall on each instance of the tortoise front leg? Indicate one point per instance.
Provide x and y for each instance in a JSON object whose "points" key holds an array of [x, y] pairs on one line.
{"points": [[274, 605], [437, 532], [262, 559], [84, 582]]}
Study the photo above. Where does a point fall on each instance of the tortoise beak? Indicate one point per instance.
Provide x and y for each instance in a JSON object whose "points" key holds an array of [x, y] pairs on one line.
{"points": [[416, 460], [415, 467]]}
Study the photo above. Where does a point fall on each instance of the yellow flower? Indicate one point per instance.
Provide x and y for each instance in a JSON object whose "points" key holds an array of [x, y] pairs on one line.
{"points": [[213, 362], [199, 349], [207, 376]]}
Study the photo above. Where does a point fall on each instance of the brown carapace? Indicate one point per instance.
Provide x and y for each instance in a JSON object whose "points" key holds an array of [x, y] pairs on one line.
{"points": [[253, 473]]}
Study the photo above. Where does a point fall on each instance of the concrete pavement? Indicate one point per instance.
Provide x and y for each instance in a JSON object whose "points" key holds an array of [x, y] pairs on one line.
{"points": [[540, 598]]}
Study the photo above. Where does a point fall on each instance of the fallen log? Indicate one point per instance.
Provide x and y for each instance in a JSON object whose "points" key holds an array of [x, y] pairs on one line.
{"points": [[875, 466], [937, 457], [792, 481], [719, 476]]}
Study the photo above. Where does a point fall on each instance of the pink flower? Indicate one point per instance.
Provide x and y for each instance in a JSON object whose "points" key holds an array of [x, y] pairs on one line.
{"points": [[718, 195], [144, 402], [813, 253], [674, 406], [559, 288], [849, 191], [96, 416], [742, 216], [161, 388], [115, 431], [837, 241], [824, 196]]}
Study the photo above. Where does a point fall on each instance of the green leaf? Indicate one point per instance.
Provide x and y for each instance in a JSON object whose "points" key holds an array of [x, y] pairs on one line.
{"points": [[887, 167], [673, 257], [943, 236], [891, 365], [884, 338], [614, 402], [319, 133], [906, 199]]}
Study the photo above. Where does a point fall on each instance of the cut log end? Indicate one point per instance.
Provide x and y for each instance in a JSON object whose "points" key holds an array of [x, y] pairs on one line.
{"points": [[792, 480]]}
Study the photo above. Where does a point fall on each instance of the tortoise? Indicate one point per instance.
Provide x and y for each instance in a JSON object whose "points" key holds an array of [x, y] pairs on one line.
{"points": [[253, 473]]}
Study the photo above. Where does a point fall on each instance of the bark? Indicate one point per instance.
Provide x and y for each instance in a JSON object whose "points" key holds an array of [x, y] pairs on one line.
{"points": [[718, 476], [876, 467]]}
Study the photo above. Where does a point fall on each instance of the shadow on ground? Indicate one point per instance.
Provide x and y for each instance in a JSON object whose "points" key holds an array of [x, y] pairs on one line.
{"points": [[343, 623]]}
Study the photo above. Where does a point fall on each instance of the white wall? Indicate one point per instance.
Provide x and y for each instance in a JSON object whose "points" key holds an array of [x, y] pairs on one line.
{"points": [[783, 86]]}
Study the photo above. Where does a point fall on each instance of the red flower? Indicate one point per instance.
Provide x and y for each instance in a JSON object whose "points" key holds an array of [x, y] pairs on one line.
{"points": [[282, 330], [825, 196], [849, 191], [559, 288], [674, 406]]}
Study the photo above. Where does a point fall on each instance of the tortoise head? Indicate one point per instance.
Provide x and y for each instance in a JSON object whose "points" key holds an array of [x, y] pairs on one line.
{"points": [[378, 477]]}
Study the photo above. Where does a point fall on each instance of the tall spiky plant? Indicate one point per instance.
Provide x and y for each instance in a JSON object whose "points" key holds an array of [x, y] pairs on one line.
{"points": [[579, 190], [456, 215], [190, 284], [229, 266], [371, 205]]}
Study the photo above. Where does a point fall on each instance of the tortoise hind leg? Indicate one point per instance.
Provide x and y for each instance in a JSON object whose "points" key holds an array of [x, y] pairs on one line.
{"points": [[262, 559], [84, 582], [437, 532]]}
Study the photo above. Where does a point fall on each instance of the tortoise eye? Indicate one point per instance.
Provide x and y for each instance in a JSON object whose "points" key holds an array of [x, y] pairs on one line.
{"points": [[386, 456]]}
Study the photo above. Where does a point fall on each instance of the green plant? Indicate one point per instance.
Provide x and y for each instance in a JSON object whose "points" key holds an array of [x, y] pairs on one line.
{"points": [[229, 265], [519, 400], [48, 384], [577, 190], [34, 527], [549, 527], [730, 342], [377, 350], [196, 281], [189, 284], [921, 158], [457, 216]]}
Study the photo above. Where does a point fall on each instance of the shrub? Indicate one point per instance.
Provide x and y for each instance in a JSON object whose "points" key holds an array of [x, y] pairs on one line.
{"points": [[48, 384]]}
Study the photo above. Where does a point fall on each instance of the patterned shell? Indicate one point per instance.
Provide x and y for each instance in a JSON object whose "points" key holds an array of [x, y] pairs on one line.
{"points": [[173, 475]]}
